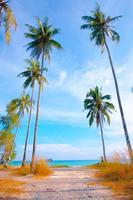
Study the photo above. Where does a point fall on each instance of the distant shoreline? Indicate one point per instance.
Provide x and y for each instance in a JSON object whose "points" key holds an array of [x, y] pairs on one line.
{"points": [[70, 163]]}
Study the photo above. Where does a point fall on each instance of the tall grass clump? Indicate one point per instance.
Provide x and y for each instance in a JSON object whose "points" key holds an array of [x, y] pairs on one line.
{"points": [[42, 168], [118, 175], [25, 170]]}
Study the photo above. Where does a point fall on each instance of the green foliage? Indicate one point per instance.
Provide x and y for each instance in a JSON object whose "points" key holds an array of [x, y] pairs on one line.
{"points": [[7, 19], [19, 105], [100, 27], [98, 106], [42, 39], [32, 74], [9, 122], [6, 139]]}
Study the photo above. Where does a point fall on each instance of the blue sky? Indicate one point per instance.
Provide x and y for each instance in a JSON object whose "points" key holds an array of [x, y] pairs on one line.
{"points": [[63, 130]]}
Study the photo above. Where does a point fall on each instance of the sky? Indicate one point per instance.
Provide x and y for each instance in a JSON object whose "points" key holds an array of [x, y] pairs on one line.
{"points": [[63, 131]]}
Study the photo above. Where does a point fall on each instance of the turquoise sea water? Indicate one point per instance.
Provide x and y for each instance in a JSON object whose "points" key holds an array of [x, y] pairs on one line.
{"points": [[71, 163]]}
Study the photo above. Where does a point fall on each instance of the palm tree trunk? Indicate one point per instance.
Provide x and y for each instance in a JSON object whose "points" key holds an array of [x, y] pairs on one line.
{"points": [[2, 158], [36, 123], [2, 161], [28, 128], [104, 152], [120, 106]]}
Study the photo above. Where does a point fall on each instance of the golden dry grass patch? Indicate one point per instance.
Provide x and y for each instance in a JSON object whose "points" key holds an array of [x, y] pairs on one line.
{"points": [[42, 168], [117, 176], [9, 186]]}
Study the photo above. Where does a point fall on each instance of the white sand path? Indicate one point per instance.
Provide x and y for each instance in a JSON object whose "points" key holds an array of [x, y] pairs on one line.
{"points": [[65, 184]]}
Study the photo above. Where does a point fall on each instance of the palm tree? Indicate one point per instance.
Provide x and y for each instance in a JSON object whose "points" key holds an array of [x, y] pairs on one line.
{"points": [[41, 44], [32, 74], [7, 18], [101, 28], [99, 109], [18, 106]]}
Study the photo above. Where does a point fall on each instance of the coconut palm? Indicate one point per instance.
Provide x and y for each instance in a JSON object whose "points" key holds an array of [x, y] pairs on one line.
{"points": [[32, 74], [101, 28], [7, 18], [41, 45], [99, 109], [18, 106]]}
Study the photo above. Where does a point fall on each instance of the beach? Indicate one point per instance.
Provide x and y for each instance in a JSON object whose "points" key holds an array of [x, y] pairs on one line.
{"points": [[70, 183]]}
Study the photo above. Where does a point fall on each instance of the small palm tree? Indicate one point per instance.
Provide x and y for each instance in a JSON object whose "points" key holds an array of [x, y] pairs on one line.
{"points": [[7, 18], [8, 123], [101, 28], [32, 74], [99, 109], [18, 106], [41, 44]]}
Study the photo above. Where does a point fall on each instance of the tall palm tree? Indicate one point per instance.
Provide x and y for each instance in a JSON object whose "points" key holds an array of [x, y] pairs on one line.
{"points": [[18, 106], [7, 18], [32, 74], [99, 109], [101, 28], [41, 44]]}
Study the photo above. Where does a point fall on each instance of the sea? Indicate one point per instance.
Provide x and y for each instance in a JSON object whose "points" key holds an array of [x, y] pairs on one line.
{"points": [[70, 163]]}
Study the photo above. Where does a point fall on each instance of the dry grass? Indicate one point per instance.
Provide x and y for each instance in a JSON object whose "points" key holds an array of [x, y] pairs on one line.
{"points": [[6, 168], [23, 170], [42, 168], [10, 186], [116, 175]]}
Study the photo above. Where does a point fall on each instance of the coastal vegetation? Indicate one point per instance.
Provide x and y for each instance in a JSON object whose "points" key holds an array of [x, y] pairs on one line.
{"points": [[40, 46], [32, 75], [99, 109], [7, 19], [99, 106], [116, 175], [100, 27]]}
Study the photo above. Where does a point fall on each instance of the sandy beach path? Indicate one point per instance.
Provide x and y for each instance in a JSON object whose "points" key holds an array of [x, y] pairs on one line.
{"points": [[65, 184]]}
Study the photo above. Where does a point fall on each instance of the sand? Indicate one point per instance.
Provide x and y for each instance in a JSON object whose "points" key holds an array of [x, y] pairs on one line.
{"points": [[73, 183]]}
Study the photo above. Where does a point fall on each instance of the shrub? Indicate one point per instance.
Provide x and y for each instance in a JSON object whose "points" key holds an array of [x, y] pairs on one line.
{"points": [[42, 168], [117, 175], [24, 170]]}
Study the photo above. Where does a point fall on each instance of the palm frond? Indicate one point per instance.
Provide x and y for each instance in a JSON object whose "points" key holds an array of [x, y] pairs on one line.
{"points": [[100, 28]]}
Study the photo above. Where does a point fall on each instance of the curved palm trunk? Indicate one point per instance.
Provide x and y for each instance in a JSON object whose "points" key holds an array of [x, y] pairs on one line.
{"points": [[2, 158], [120, 106], [28, 128], [4, 154], [2, 161], [36, 123], [104, 152]]}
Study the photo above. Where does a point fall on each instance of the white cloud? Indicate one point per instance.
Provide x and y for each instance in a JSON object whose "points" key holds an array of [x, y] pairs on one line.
{"points": [[67, 151], [85, 150], [78, 82], [62, 78]]}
